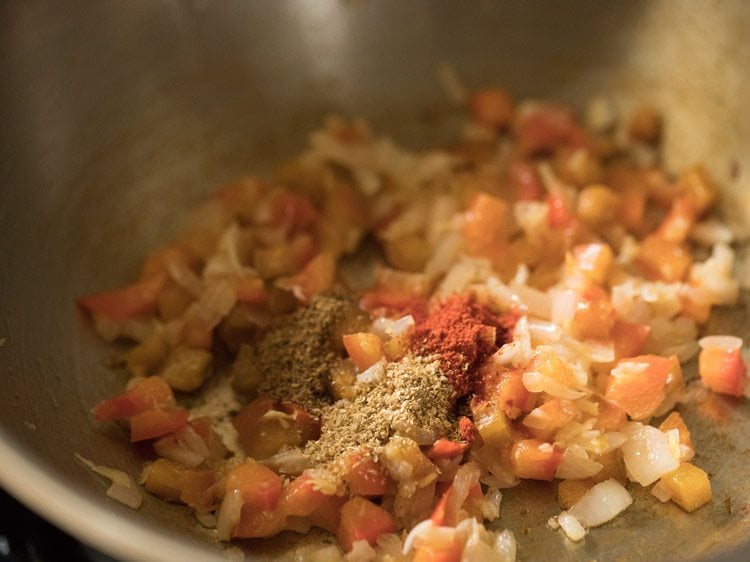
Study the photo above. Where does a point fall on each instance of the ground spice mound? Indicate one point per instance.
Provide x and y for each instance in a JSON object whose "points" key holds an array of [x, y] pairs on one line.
{"points": [[463, 333], [295, 356], [412, 399]]}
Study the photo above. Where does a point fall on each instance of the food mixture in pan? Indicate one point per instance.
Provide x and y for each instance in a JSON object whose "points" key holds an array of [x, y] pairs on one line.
{"points": [[407, 334]]}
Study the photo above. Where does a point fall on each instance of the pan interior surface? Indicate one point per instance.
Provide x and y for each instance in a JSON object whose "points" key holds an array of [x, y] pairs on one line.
{"points": [[119, 117]]}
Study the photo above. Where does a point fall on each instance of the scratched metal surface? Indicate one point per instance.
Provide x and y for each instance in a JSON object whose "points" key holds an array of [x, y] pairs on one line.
{"points": [[118, 116]]}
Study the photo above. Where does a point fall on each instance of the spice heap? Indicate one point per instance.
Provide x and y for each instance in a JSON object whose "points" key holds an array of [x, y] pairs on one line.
{"points": [[463, 334], [536, 292], [296, 356], [411, 398]]}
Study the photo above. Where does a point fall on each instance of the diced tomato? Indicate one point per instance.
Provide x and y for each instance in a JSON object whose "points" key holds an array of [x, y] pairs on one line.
{"points": [[492, 107], [260, 486], [328, 514], [722, 370], [364, 348], [197, 489], [134, 300], [255, 523], [550, 416], [363, 520], [155, 423], [675, 421], [536, 460], [251, 290], [525, 180], [467, 430], [593, 319], [147, 394], [486, 223], [592, 261], [447, 449], [548, 127], [505, 387], [611, 416], [559, 214], [308, 425], [317, 276], [440, 514], [663, 259], [398, 293], [632, 209], [293, 212], [301, 497], [246, 421], [629, 338], [638, 384], [679, 221], [364, 476]]}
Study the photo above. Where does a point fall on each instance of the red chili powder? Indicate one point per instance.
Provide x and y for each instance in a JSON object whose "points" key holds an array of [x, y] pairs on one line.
{"points": [[464, 333]]}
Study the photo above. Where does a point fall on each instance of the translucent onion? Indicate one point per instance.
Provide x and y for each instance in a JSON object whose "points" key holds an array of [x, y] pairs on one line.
{"points": [[571, 527], [427, 532], [291, 461], [647, 453], [229, 514], [373, 373], [122, 489], [537, 382], [601, 503], [725, 343], [576, 467], [361, 552]]}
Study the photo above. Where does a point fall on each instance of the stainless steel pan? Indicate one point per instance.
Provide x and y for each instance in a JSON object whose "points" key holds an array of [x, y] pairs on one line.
{"points": [[116, 117]]}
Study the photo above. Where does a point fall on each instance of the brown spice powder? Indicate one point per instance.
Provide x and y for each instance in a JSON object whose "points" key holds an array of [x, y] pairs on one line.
{"points": [[296, 356], [412, 399]]}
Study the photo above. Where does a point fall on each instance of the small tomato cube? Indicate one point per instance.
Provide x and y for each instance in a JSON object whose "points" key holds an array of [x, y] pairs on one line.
{"points": [[675, 421], [128, 302], [147, 394], [721, 366], [260, 486], [663, 259], [155, 423], [364, 348], [536, 460], [485, 226], [638, 384], [364, 476], [363, 520], [492, 107]]}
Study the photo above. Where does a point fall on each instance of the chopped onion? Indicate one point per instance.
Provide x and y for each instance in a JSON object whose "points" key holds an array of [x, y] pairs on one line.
{"points": [[373, 373], [601, 503], [571, 526], [538, 303], [506, 546], [545, 332], [576, 467], [725, 343], [416, 531], [206, 519], [647, 453], [518, 351], [537, 382], [563, 307], [290, 461], [361, 552], [229, 514], [490, 506], [123, 489], [466, 477]]}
